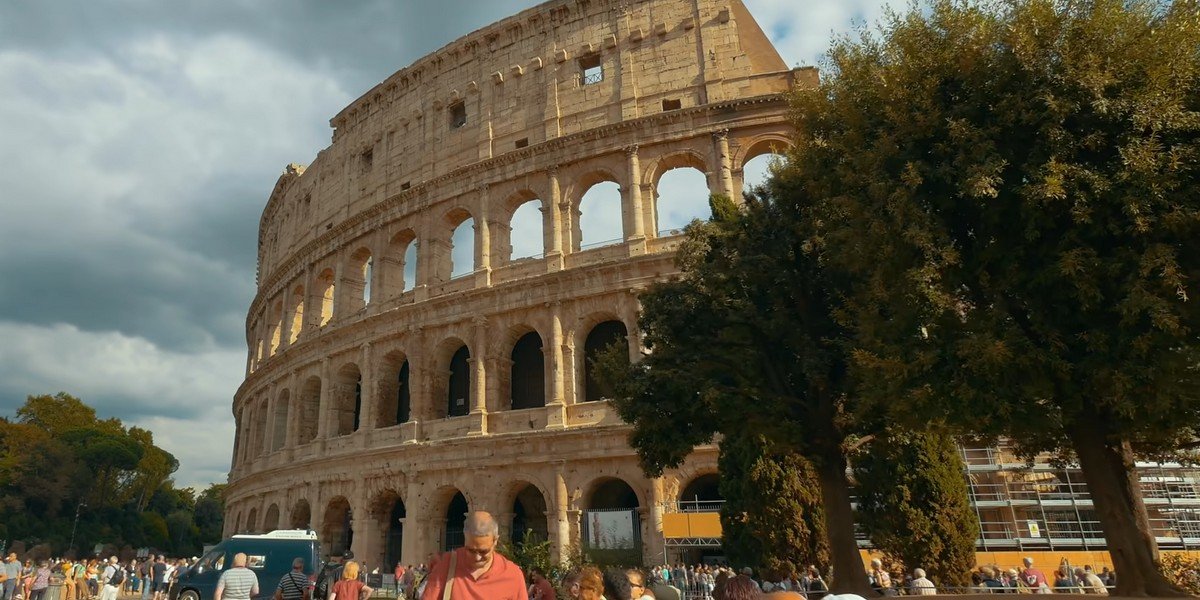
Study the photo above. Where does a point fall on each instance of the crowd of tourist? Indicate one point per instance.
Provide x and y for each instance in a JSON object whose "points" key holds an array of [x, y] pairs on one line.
{"points": [[91, 579]]}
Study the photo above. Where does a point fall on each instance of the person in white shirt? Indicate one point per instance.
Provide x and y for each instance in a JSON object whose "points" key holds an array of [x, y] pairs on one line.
{"points": [[922, 586]]}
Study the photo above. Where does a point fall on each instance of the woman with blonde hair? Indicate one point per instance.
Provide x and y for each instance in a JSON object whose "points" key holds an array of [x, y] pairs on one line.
{"points": [[591, 584], [349, 587]]}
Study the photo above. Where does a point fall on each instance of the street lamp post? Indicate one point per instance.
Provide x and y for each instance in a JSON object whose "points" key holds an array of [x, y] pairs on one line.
{"points": [[74, 525]]}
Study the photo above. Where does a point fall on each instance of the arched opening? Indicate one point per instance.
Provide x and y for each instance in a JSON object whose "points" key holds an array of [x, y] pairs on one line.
{"points": [[397, 262], [393, 530], [325, 288], [459, 383], [526, 231], [600, 337], [612, 523], [600, 221], [759, 168], [271, 520], [280, 420], [528, 377], [301, 515], [681, 196], [252, 521], [347, 400], [297, 314], [702, 494], [462, 249], [396, 402], [529, 516], [276, 326], [310, 410], [358, 279], [456, 518], [336, 530]]}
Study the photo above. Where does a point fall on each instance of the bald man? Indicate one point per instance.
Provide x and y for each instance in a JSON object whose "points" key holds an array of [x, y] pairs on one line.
{"points": [[476, 571], [238, 582]]}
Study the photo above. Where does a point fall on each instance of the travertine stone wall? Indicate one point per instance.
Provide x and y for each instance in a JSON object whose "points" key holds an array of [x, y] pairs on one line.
{"points": [[339, 340]]}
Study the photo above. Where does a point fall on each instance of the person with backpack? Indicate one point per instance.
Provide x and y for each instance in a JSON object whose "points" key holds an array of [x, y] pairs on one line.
{"points": [[112, 578], [330, 574]]}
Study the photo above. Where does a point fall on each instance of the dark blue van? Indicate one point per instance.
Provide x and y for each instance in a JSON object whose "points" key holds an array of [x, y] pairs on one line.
{"points": [[269, 555]]}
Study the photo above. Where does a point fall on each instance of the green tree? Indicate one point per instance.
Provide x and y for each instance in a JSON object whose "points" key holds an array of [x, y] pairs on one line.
{"points": [[56, 414], [744, 342], [1012, 190], [772, 515], [210, 513], [912, 503]]}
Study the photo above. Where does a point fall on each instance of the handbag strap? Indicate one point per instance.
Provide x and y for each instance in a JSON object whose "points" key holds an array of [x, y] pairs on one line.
{"points": [[449, 587]]}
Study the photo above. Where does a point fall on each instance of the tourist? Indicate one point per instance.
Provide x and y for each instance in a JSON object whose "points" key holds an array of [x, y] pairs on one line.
{"points": [[617, 585], [111, 579], [921, 585], [665, 591], [294, 584], [350, 587], [541, 588], [741, 587], [1034, 577], [12, 575], [591, 584], [237, 582], [1062, 582], [476, 570], [880, 581], [1089, 582]]}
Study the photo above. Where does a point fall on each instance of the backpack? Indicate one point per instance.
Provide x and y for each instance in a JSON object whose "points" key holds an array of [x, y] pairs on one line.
{"points": [[118, 576], [322, 587]]}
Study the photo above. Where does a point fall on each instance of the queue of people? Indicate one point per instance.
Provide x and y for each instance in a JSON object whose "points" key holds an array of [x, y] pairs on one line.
{"points": [[90, 579]]}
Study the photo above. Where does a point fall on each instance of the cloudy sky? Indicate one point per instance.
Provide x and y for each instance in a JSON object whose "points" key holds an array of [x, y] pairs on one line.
{"points": [[139, 140]]}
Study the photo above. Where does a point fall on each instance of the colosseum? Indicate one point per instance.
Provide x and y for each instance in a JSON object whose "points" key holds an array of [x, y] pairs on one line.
{"points": [[432, 286]]}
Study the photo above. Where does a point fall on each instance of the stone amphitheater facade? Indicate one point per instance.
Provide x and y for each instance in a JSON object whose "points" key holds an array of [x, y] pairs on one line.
{"points": [[386, 394]]}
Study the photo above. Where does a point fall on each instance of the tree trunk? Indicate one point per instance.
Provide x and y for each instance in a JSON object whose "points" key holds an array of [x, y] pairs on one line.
{"points": [[848, 572], [1108, 467]]}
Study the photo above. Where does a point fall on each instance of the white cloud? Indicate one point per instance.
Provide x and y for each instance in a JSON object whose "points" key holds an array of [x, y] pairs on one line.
{"points": [[183, 398]]}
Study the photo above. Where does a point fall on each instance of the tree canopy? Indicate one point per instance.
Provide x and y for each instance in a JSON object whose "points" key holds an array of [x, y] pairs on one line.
{"points": [[58, 459], [1010, 190]]}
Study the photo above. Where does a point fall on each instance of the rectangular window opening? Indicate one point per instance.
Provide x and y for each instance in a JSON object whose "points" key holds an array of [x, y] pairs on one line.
{"points": [[405, 185], [368, 160], [458, 115], [669, 105], [523, 142], [591, 69]]}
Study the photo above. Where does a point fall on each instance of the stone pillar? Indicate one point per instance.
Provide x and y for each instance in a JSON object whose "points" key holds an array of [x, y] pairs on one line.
{"points": [[311, 317], [483, 242], [560, 526], [339, 289], [293, 416], [556, 406], [505, 521], [370, 389], [630, 317], [553, 226], [324, 408], [635, 222], [269, 430], [479, 379], [724, 163]]}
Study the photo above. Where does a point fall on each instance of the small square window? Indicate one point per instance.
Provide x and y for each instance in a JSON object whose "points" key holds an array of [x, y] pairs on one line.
{"points": [[591, 69], [672, 105], [368, 160], [523, 142], [405, 185], [458, 115]]}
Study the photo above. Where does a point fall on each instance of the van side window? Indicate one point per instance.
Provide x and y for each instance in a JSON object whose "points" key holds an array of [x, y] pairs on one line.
{"points": [[255, 561], [214, 560]]}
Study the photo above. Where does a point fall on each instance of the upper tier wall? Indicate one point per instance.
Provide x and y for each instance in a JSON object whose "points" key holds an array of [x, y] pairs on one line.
{"points": [[520, 82]]}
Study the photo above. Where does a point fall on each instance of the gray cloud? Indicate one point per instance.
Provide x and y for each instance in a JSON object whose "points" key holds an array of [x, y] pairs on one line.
{"points": [[141, 141]]}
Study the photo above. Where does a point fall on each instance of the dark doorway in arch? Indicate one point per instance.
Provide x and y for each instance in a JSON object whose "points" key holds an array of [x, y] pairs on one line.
{"points": [[612, 525], [336, 528], [613, 494], [600, 337], [459, 397], [529, 516], [395, 536], [403, 399], [302, 515], [528, 373], [703, 494], [357, 403], [456, 519]]}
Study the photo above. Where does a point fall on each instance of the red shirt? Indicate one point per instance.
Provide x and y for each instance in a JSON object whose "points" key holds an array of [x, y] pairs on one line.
{"points": [[542, 590], [503, 581]]}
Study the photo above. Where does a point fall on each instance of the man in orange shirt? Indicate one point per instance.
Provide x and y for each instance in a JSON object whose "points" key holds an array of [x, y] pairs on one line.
{"points": [[480, 573]]}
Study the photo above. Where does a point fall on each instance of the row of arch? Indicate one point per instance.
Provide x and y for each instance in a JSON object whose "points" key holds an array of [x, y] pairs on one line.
{"points": [[525, 513], [529, 227], [265, 427]]}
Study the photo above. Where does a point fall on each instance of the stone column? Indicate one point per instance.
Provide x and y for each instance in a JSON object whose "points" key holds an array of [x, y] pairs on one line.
{"points": [[655, 546], [556, 406], [552, 219], [636, 222], [370, 389], [724, 163], [630, 317], [269, 430], [311, 317], [324, 407], [293, 416], [560, 527], [479, 380], [483, 242]]}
